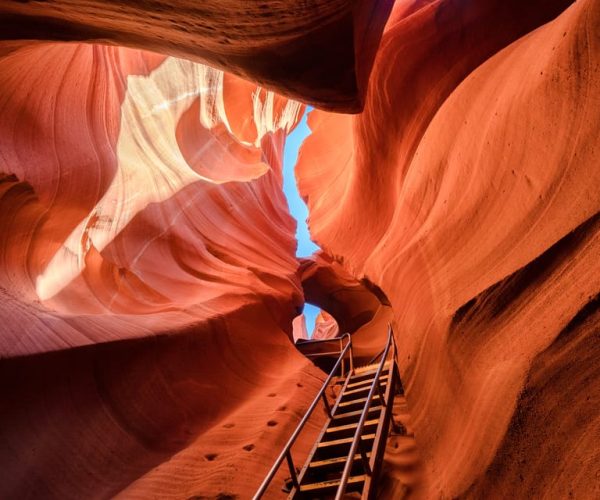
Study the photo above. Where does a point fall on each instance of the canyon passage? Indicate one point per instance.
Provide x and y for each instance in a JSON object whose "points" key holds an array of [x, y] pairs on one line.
{"points": [[156, 277]]}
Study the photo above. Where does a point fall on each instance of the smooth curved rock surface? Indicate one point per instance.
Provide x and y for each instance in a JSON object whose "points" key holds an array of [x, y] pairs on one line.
{"points": [[148, 277], [148, 281], [318, 51], [163, 416], [326, 327], [327, 284], [467, 190], [299, 331], [108, 173]]}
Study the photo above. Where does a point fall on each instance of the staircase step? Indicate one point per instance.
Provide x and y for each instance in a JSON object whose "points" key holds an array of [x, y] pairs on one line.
{"points": [[332, 483], [335, 461], [357, 413], [366, 368], [384, 376], [337, 442], [369, 372], [356, 401], [361, 389], [350, 426]]}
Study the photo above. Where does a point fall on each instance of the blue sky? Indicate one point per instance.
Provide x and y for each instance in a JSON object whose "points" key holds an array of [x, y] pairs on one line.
{"points": [[297, 207]]}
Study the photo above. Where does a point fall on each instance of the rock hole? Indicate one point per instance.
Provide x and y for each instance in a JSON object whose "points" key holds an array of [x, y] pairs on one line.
{"points": [[210, 456], [272, 423], [249, 447], [228, 425]]}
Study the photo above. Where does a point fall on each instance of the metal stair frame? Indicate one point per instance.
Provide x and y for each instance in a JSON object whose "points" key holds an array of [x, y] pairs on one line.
{"points": [[372, 464], [286, 452], [372, 458]]}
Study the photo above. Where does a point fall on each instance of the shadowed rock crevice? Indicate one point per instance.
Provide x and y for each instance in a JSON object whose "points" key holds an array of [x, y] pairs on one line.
{"points": [[556, 424], [352, 302], [319, 51], [500, 297]]}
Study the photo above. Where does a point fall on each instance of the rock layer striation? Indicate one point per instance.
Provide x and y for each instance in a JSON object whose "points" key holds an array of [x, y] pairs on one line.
{"points": [[467, 190]]}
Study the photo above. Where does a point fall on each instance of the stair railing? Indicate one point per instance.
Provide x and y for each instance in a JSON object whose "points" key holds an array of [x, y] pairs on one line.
{"points": [[357, 443], [286, 453]]}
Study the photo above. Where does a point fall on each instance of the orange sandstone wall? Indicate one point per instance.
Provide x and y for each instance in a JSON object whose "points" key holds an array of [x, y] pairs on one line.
{"points": [[326, 327], [147, 277], [202, 412], [327, 284], [128, 189], [147, 273], [468, 190]]}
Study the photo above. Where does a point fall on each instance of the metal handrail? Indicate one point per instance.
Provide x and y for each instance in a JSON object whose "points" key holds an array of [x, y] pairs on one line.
{"points": [[286, 453], [376, 357], [357, 440]]}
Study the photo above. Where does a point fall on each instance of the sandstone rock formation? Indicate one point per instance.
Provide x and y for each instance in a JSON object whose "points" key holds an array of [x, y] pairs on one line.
{"points": [[318, 51], [148, 282], [468, 191], [327, 284], [299, 330], [326, 327], [143, 232]]}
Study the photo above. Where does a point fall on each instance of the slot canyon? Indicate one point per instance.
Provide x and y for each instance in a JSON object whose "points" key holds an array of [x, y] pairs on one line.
{"points": [[151, 294]]}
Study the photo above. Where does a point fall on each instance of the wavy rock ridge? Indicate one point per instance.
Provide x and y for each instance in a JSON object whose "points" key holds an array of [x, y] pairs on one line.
{"points": [[318, 51], [148, 280], [467, 190], [148, 275]]}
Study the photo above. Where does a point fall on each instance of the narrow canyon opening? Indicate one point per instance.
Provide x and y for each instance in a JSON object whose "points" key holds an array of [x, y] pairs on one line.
{"points": [[155, 258]]}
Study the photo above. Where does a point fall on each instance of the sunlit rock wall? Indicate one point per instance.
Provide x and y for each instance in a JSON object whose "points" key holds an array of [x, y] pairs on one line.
{"points": [[147, 276], [468, 190], [326, 326], [147, 273], [138, 185]]}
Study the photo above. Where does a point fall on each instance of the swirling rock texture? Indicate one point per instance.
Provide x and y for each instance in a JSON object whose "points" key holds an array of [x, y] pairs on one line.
{"points": [[148, 280], [320, 51], [349, 305], [144, 231], [326, 327], [468, 191], [148, 277], [299, 330]]}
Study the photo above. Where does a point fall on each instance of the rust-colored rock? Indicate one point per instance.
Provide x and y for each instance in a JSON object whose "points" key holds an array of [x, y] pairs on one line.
{"points": [[143, 231], [326, 327], [327, 284], [318, 51], [148, 283], [467, 190]]}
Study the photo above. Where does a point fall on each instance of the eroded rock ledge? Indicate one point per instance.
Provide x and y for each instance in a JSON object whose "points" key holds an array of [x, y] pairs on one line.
{"points": [[317, 51]]}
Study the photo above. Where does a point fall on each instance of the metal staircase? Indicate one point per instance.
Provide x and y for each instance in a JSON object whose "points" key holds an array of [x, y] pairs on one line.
{"points": [[347, 454]]}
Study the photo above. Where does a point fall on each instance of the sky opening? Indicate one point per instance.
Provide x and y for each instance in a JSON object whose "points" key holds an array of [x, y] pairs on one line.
{"points": [[297, 207]]}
